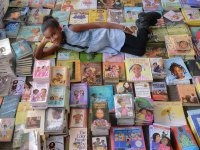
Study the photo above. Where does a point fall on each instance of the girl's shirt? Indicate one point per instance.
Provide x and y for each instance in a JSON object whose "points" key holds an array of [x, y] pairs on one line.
{"points": [[94, 40]]}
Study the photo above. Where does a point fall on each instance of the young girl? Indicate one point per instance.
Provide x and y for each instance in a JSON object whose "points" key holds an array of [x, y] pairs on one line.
{"points": [[97, 37], [177, 71]]}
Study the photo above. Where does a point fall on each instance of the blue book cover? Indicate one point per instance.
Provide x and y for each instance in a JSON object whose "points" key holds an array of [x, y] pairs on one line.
{"points": [[12, 29], [195, 33], [193, 3], [101, 94], [21, 48], [196, 122], [131, 13], [61, 16], [2, 34], [9, 106]]}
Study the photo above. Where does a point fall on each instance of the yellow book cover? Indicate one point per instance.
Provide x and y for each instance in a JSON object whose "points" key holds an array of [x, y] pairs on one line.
{"points": [[130, 2], [97, 15], [138, 69], [192, 16], [21, 112], [74, 69]]}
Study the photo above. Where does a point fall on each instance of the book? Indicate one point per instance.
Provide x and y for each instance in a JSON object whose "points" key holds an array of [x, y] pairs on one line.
{"points": [[90, 57], [193, 3], [123, 106], [138, 69], [151, 5], [64, 54], [58, 5], [54, 120], [78, 138], [17, 86], [157, 68], [196, 82], [74, 68], [6, 128], [192, 16], [159, 91], [91, 73], [173, 16], [97, 15], [5, 50], [99, 143], [18, 3], [193, 67], [178, 29], [35, 121], [142, 89], [101, 94], [49, 3], [129, 2], [124, 88], [30, 33], [159, 136], [115, 16], [41, 71], [169, 113], [113, 58], [158, 34], [60, 76], [154, 50], [120, 138], [5, 85], [79, 17], [170, 5], [18, 14], [26, 94], [79, 95], [61, 16], [35, 3], [56, 142], [109, 4], [84, 4], [19, 131], [184, 138], [70, 5], [78, 118], [131, 13], [12, 29]]}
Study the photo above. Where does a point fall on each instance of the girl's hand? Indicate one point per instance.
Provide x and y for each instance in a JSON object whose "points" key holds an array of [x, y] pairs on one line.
{"points": [[45, 41], [160, 22], [128, 30]]}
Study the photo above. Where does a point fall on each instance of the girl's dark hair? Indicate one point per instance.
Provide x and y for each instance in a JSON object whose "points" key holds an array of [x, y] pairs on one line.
{"points": [[174, 65], [154, 136], [49, 21]]}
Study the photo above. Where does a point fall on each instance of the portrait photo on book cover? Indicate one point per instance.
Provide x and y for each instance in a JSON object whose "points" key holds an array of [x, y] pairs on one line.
{"points": [[33, 122]]}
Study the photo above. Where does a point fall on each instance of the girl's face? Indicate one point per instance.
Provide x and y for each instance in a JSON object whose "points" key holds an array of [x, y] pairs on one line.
{"points": [[137, 69], [99, 114], [123, 104], [53, 34], [183, 44], [178, 72], [126, 85], [157, 138], [164, 141]]}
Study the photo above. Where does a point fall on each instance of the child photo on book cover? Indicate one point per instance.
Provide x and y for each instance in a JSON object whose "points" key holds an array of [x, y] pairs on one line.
{"points": [[124, 88], [112, 71], [160, 141], [26, 95], [39, 94], [99, 143], [41, 69], [137, 71], [33, 122], [77, 118], [177, 71], [100, 119]]}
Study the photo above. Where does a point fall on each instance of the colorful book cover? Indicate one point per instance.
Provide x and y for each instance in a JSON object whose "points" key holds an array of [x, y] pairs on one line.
{"points": [[17, 86], [97, 15], [154, 50], [109, 4], [169, 113], [178, 29], [88, 4], [12, 29], [184, 138], [157, 68], [56, 142], [30, 33], [21, 48], [64, 54], [123, 106], [111, 72], [26, 94], [115, 15], [176, 71], [49, 3], [18, 3], [90, 57], [91, 73], [70, 5], [138, 69], [159, 91], [124, 88], [5, 49], [152, 5], [187, 94], [78, 118], [79, 95], [159, 137], [173, 16], [100, 116], [196, 82], [17, 139], [58, 4], [35, 3], [78, 139], [99, 143], [57, 96], [41, 70], [74, 68], [158, 34], [120, 138], [193, 3], [6, 129], [142, 89], [131, 13], [171, 4], [113, 58], [79, 17], [16, 14], [36, 15], [195, 126], [61, 16]]}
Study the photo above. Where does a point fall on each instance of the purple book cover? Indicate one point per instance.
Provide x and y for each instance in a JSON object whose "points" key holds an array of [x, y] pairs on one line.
{"points": [[79, 95]]}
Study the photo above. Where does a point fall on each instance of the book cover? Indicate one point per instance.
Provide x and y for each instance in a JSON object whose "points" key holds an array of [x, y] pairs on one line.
{"points": [[70, 5], [158, 34], [36, 15], [18, 3], [17, 139], [41, 70], [21, 48], [142, 89], [159, 137], [35, 121], [173, 16], [123, 106], [109, 4], [90, 57], [193, 3], [115, 15], [49, 3], [17, 14], [5, 50], [193, 67], [78, 118], [74, 68], [97, 15], [99, 143], [61, 16], [79, 17], [6, 129], [187, 94], [138, 69], [169, 113], [60, 76], [159, 91], [79, 95], [124, 88], [35, 3], [91, 73], [64, 54], [154, 50], [113, 58], [157, 68], [100, 94], [54, 120], [30, 33], [57, 96], [12, 29], [56, 142], [151, 5], [178, 29], [88, 4], [100, 116], [17, 86], [58, 4], [127, 138], [131, 13], [184, 138], [195, 126], [78, 139], [171, 4], [191, 14], [196, 82], [110, 72], [26, 94]]}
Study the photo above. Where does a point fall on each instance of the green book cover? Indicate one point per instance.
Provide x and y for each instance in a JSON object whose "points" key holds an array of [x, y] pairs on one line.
{"points": [[178, 29], [90, 57], [64, 54], [158, 34]]}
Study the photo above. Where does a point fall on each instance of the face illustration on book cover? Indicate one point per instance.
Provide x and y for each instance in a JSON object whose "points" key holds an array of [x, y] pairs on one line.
{"points": [[79, 94], [173, 16], [115, 16], [151, 4], [26, 95], [56, 96], [6, 129], [157, 67], [39, 92], [41, 69], [58, 76], [136, 70], [99, 143], [77, 117], [17, 86], [124, 88], [33, 122], [111, 71], [193, 14]]}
